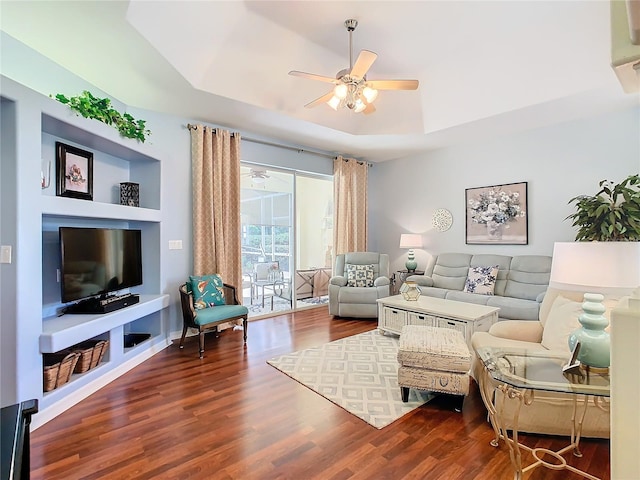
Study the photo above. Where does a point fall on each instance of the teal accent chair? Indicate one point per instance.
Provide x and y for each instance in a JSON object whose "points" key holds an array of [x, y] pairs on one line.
{"points": [[210, 318]]}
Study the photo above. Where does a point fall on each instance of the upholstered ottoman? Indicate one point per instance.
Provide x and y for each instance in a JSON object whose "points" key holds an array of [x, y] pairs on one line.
{"points": [[433, 359]]}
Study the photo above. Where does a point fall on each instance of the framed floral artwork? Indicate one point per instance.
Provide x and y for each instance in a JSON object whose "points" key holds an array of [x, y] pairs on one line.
{"points": [[497, 215], [74, 172]]}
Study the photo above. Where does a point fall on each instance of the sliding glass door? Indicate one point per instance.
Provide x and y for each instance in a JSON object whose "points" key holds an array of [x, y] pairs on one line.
{"points": [[286, 222], [314, 239]]}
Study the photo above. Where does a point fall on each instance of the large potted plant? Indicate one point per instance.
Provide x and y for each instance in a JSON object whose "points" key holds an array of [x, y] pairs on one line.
{"points": [[611, 215]]}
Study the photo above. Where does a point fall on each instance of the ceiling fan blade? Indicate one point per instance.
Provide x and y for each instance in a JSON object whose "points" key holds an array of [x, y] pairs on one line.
{"points": [[369, 109], [363, 63], [313, 76], [393, 84], [323, 99]]}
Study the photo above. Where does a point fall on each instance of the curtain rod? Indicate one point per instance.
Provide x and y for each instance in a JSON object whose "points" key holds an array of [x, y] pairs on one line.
{"points": [[190, 126]]}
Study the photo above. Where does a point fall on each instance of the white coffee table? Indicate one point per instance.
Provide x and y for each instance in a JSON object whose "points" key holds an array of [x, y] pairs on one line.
{"points": [[394, 312]]}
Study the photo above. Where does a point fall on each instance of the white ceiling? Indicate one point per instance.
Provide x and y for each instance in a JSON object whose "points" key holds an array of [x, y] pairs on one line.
{"points": [[485, 68]]}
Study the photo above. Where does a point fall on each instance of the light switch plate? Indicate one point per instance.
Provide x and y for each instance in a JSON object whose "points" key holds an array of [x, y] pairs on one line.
{"points": [[175, 244], [5, 254]]}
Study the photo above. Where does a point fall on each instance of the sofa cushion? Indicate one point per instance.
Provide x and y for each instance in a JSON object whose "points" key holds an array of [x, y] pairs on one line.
{"points": [[359, 295], [466, 297], [360, 275], [220, 313], [435, 291], [517, 330], [379, 261], [207, 291], [421, 280], [528, 276], [481, 280], [450, 270], [515, 308], [562, 320], [550, 297]]}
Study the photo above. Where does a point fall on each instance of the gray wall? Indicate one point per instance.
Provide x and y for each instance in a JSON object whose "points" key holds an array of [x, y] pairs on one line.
{"points": [[170, 137], [558, 163], [8, 325]]}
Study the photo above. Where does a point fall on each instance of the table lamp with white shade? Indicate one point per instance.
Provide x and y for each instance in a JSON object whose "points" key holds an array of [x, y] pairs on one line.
{"points": [[411, 241], [599, 268]]}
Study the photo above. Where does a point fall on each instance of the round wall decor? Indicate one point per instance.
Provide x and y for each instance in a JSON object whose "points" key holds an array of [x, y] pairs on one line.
{"points": [[442, 219]]}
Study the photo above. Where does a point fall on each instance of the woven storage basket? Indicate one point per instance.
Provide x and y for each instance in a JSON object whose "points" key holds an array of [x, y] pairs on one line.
{"points": [[58, 368], [91, 353]]}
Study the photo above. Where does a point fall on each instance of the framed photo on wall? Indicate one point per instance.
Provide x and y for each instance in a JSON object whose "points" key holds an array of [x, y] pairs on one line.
{"points": [[74, 172], [497, 214]]}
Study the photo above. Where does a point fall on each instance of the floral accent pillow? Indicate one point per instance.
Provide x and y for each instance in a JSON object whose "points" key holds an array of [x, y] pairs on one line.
{"points": [[359, 275], [207, 291], [481, 280]]}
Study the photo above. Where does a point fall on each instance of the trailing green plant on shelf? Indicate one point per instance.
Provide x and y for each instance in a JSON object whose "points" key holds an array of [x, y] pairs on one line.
{"points": [[100, 109], [611, 215]]}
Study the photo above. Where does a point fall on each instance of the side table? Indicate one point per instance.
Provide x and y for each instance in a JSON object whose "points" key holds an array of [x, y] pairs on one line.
{"points": [[399, 277], [517, 374]]}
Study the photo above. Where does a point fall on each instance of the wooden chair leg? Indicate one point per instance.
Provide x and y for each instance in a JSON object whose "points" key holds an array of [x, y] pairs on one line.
{"points": [[201, 343], [244, 328], [184, 333]]}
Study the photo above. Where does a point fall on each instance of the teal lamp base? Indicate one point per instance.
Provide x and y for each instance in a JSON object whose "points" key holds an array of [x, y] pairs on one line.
{"points": [[411, 263], [595, 343]]}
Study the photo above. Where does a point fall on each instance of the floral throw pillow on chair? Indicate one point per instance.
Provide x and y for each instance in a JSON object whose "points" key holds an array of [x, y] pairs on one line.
{"points": [[207, 291]]}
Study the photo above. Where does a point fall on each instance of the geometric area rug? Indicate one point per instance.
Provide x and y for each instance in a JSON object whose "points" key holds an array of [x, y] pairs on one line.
{"points": [[358, 373]]}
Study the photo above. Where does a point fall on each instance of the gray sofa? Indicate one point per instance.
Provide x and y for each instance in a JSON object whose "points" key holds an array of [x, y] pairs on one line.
{"points": [[520, 287]]}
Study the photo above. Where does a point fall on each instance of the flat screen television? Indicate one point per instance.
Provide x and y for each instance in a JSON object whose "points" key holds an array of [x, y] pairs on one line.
{"points": [[98, 261]]}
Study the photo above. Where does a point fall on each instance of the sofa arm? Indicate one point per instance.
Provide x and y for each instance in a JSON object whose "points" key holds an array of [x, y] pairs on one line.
{"points": [[381, 281], [421, 280], [338, 280], [540, 297], [523, 330]]}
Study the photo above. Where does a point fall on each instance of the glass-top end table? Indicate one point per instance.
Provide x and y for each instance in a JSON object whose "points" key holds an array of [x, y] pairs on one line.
{"points": [[517, 374]]}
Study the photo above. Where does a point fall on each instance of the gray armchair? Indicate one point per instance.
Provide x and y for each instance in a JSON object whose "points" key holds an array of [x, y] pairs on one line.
{"points": [[360, 279]]}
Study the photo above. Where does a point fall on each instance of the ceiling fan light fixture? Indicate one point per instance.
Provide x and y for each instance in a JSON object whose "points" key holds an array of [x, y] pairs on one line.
{"points": [[370, 94], [340, 91], [334, 102], [352, 89]]}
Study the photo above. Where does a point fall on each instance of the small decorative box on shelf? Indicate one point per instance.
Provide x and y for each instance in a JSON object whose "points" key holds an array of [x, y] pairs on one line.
{"points": [[130, 194]]}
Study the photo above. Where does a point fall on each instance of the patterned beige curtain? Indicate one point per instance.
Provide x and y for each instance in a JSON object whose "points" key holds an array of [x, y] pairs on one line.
{"points": [[350, 215], [215, 161]]}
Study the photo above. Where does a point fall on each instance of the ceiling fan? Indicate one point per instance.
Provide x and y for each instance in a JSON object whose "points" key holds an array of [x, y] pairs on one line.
{"points": [[257, 176], [352, 88]]}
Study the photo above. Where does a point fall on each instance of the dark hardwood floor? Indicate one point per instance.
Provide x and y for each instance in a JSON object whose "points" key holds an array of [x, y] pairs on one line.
{"points": [[232, 416]]}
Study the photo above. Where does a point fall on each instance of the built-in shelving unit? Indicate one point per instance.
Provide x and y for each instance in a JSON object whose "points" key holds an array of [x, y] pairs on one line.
{"points": [[62, 332], [42, 122], [71, 207]]}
